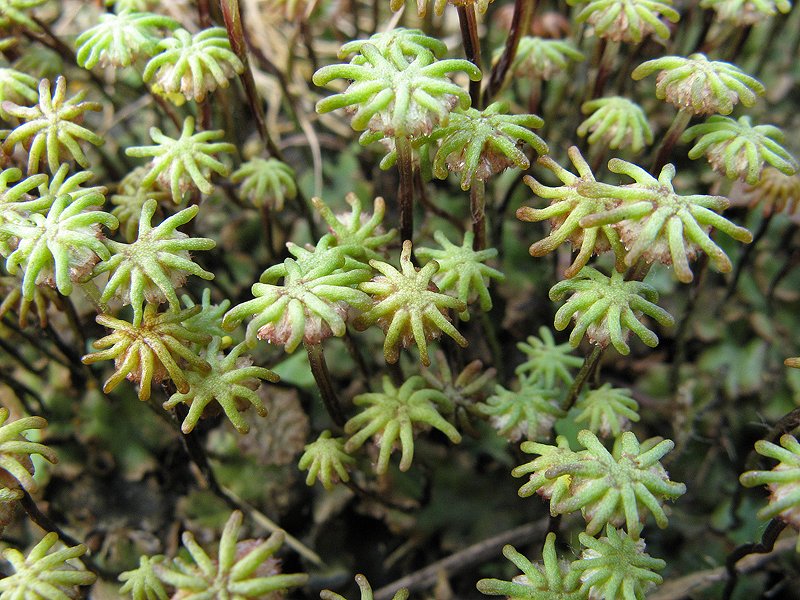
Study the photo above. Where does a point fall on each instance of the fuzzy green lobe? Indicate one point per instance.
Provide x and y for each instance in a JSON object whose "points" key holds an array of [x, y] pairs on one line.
{"points": [[325, 459], [309, 306], [700, 86], [360, 235], [480, 144], [366, 591], [190, 66], [399, 100], [738, 149], [462, 270], [44, 575], [400, 45], [627, 20], [119, 39], [151, 350], [552, 580], [391, 417], [155, 264], [266, 182], [407, 308], [15, 450], [783, 481], [48, 129], [63, 246], [229, 383], [14, 12], [229, 575], [16, 86], [188, 160], [547, 361], [657, 223], [618, 487], [568, 207], [606, 309], [616, 122], [543, 58], [607, 410]]}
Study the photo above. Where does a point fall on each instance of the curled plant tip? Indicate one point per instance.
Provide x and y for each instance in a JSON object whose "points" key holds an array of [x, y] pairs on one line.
{"points": [[616, 567], [266, 182], [13, 300], [50, 129], [542, 58], [408, 307], [746, 12], [439, 5], [739, 150], [528, 413], [243, 570], [550, 579], [326, 460], [480, 144], [358, 234], [400, 44], [180, 163], [231, 384], [43, 574], [311, 305], [627, 20], [16, 468], [150, 351], [550, 457], [607, 309], [209, 319], [463, 390], [616, 122], [618, 487], [119, 39], [16, 202], [783, 481], [792, 362], [60, 248], [546, 360], [190, 66], [568, 207], [392, 416], [366, 591], [775, 192], [16, 87], [700, 86], [152, 267], [14, 13], [398, 100], [607, 411], [657, 224], [142, 583], [462, 271]]}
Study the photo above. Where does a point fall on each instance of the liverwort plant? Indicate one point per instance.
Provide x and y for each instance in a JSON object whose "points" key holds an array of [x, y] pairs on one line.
{"points": [[399, 101], [325, 460], [615, 122], [266, 182], [406, 308], [16, 468], [50, 129], [627, 20], [546, 360]]}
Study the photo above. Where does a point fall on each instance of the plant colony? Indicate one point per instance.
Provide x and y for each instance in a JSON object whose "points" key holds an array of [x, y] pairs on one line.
{"points": [[172, 226]]}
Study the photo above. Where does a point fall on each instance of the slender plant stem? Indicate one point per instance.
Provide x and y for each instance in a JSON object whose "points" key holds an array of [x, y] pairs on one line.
{"points": [[266, 224], [589, 368], [396, 373], [682, 331], [319, 369], [674, 132], [765, 546], [472, 47], [477, 204], [523, 10], [405, 193], [607, 62], [355, 354]]}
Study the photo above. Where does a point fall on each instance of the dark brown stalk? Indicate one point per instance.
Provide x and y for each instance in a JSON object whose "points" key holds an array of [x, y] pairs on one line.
{"points": [[604, 70], [520, 22], [588, 369], [765, 546], [233, 23], [672, 136], [745, 254], [266, 224], [477, 205], [319, 369], [682, 331], [472, 47], [405, 193]]}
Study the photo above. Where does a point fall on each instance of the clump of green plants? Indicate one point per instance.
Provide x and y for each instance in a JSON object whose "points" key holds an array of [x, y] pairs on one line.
{"points": [[301, 298]]}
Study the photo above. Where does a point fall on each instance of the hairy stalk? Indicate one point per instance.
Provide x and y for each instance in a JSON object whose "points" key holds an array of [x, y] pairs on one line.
{"points": [[604, 70], [405, 193], [477, 205], [472, 47], [523, 10], [319, 369], [679, 124]]}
